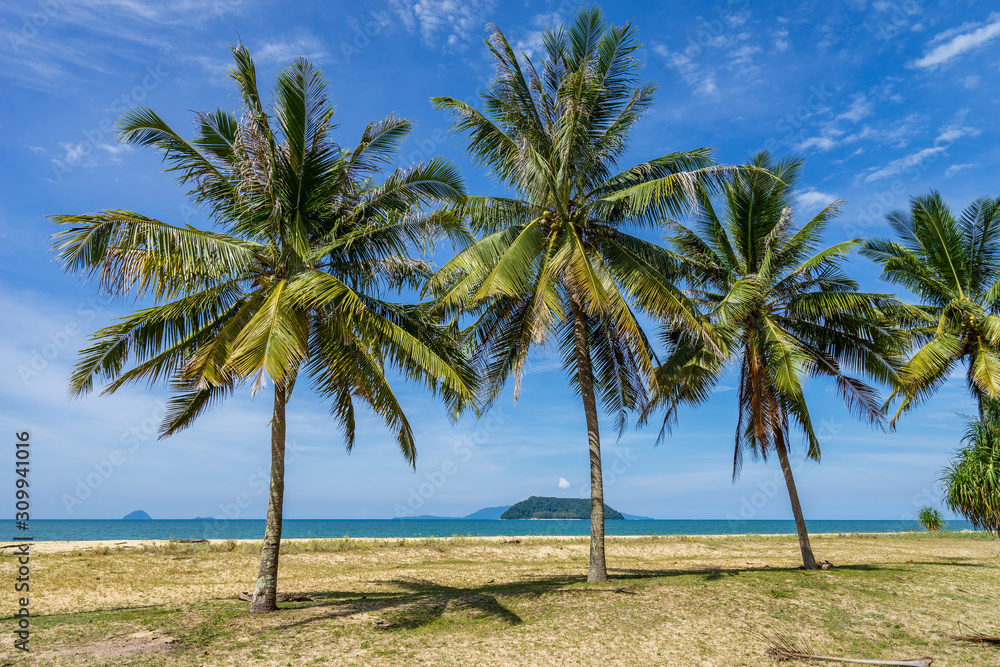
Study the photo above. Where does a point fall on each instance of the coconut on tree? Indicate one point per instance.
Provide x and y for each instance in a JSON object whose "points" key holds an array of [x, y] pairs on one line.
{"points": [[780, 309], [291, 284], [558, 261]]}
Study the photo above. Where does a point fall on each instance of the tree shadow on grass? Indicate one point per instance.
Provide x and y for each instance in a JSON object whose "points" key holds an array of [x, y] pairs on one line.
{"points": [[421, 601], [416, 602]]}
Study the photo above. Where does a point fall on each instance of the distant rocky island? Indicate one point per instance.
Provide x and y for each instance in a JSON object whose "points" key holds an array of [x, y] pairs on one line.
{"points": [[137, 515], [540, 507]]}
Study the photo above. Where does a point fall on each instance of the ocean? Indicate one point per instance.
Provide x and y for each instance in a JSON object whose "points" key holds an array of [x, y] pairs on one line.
{"points": [[74, 530]]}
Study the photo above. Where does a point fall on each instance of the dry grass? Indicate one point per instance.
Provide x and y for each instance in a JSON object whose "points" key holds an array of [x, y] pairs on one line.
{"points": [[471, 601]]}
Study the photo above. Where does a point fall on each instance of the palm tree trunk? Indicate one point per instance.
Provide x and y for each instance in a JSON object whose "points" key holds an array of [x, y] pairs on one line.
{"points": [[808, 561], [598, 570], [265, 592]]}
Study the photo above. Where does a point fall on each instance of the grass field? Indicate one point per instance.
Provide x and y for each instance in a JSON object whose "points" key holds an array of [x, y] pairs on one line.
{"points": [[508, 601]]}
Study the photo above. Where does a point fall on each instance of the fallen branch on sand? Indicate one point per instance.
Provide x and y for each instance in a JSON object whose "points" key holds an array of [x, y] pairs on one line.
{"points": [[783, 648]]}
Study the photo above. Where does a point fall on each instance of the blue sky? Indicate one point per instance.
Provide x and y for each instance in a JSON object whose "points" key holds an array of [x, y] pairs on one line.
{"points": [[885, 99]]}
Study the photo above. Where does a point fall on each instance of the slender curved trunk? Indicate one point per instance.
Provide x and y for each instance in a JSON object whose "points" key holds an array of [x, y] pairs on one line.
{"points": [[598, 570], [808, 560], [265, 592]]}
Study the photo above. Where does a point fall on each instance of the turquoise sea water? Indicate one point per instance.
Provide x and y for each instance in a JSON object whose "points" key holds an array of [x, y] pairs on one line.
{"points": [[388, 528]]}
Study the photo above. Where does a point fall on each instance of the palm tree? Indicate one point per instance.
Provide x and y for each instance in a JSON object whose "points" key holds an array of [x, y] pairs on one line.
{"points": [[293, 282], [972, 481], [554, 260], [953, 266], [779, 311]]}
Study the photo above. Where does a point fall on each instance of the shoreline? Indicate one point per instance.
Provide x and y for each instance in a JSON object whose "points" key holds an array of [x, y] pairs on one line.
{"points": [[60, 546]]}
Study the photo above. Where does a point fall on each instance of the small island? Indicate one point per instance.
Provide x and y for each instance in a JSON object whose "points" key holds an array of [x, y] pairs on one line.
{"points": [[137, 515], [540, 507]]}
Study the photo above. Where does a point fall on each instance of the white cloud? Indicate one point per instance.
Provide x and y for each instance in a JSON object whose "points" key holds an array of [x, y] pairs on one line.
{"points": [[531, 43], [947, 135], [957, 44], [74, 38], [700, 78], [115, 151], [282, 52], [738, 18], [73, 152], [823, 143], [913, 160], [956, 130], [951, 171], [448, 24], [896, 133], [86, 154], [780, 42], [813, 200], [860, 108], [563, 483], [708, 86], [699, 63], [972, 81], [742, 57]]}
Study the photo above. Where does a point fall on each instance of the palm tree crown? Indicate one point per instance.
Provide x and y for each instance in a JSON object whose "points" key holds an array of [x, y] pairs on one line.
{"points": [[292, 284], [953, 267]]}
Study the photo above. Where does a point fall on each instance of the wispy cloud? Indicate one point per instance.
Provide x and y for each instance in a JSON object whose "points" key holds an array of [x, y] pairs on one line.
{"points": [[86, 154], [444, 24], [284, 51], [543, 364], [781, 41], [954, 45], [55, 47], [813, 201], [947, 135], [956, 129], [702, 79], [860, 108], [713, 53], [954, 169], [903, 164], [840, 131]]}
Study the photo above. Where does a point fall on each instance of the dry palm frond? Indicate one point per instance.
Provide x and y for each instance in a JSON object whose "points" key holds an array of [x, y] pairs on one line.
{"points": [[784, 648]]}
